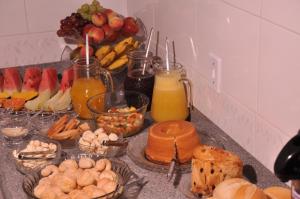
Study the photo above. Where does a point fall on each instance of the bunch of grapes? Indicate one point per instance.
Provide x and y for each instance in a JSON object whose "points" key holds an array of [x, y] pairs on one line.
{"points": [[71, 25], [86, 10]]}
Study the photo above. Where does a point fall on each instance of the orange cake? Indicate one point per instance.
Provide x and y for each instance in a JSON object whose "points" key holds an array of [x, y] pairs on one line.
{"points": [[162, 138]]}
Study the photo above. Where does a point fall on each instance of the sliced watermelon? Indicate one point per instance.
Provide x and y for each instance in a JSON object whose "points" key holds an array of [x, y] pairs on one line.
{"points": [[67, 79], [49, 80], [48, 87], [32, 79], [12, 80], [1, 82]]}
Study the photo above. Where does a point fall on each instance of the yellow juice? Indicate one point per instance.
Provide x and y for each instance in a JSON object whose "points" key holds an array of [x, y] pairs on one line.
{"points": [[169, 100], [82, 90]]}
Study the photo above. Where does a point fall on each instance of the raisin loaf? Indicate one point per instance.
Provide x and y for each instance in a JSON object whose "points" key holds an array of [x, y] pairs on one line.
{"points": [[211, 166]]}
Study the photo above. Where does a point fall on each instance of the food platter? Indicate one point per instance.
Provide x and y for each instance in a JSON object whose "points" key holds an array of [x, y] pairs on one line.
{"points": [[129, 184], [136, 147]]}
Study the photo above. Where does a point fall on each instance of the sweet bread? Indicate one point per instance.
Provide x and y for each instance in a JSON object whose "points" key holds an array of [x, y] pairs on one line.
{"points": [[210, 166]]}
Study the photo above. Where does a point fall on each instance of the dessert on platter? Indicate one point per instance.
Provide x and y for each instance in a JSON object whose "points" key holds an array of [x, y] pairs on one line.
{"points": [[211, 166], [168, 138]]}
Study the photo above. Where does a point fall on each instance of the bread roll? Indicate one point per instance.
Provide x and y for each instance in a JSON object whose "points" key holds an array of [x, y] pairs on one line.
{"points": [[278, 193], [237, 188], [210, 166]]}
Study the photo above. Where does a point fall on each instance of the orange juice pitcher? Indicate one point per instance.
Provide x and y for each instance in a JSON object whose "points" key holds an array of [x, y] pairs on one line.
{"points": [[89, 80], [172, 94]]}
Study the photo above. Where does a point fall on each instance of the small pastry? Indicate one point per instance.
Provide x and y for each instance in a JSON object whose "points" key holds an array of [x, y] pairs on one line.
{"points": [[110, 186], [49, 170], [86, 163], [67, 164], [85, 178], [108, 174]]}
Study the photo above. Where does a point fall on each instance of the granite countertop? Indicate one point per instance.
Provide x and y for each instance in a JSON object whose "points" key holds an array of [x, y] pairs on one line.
{"points": [[157, 186]]}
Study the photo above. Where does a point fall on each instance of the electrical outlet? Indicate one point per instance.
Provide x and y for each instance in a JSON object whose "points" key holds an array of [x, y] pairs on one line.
{"points": [[215, 69]]}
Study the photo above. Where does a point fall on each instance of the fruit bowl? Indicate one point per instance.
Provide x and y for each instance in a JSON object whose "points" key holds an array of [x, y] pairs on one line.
{"points": [[120, 112], [107, 32]]}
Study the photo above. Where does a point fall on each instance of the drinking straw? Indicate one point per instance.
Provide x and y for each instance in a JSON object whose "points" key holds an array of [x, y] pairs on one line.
{"points": [[167, 54], [147, 49], [174, 54], [157, 43], [87, 53]]}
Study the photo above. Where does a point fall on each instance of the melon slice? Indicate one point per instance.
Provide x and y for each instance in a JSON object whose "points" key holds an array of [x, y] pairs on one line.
{"points": [[62, 99], [2, 94], [12, 81], [47, 88], [67, 79], [31, 82], [1, 82]]}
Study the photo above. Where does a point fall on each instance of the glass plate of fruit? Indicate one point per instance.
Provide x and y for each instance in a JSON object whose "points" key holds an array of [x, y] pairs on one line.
{"points": [[110, 34]]}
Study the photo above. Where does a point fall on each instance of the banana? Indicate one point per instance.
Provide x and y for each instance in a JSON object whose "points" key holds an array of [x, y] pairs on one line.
{"points": [[103, 51], [136, 44], [122, 46], [118, 63], [108, 59]]}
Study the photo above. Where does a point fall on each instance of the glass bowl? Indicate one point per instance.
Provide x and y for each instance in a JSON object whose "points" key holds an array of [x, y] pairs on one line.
{"points": [[129, 184], [15, 128], [97, 147], [23, 165], [112, 111], [44, 121]]}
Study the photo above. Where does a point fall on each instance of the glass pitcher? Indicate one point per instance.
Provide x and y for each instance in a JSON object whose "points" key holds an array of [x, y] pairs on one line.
{"points": [[172, 94], [89, 80], [140, 75]]}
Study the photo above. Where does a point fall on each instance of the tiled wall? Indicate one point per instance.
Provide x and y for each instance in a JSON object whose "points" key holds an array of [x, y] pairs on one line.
{"points": [[259, 44], [28, 28]]}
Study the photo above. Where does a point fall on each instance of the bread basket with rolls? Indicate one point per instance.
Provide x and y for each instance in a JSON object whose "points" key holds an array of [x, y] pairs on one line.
{"points": [[238, 188]]}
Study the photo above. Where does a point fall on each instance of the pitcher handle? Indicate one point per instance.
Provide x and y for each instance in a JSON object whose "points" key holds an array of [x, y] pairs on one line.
{"points": [[108, 78], [189, 94]]}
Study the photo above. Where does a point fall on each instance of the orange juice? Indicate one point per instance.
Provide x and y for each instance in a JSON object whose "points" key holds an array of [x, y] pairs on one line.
{"points": [[169, 101], [82, 90]]}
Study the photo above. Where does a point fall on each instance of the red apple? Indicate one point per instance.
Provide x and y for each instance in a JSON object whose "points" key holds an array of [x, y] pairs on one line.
{"points": [[99, 19], [86, 29], [108, 12], [110, 34], [96, 34], [115, 22], [82, 51], [130, 27]]}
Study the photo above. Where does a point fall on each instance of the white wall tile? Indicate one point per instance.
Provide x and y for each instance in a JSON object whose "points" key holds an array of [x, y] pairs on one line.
{"points": [[12, 17], [144, 10], [30, 49], [232, 35], [279, 91], [253, 6], [177, 21], [268, 143], [283, 12], [45, 15]]}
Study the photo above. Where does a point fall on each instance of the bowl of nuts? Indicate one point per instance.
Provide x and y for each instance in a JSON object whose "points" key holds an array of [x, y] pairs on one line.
{"points": [[120, 112]]}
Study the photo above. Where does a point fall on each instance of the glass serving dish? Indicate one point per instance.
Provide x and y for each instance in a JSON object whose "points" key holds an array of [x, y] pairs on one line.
{"points": [[40, 163], [15, 127], [116, 149], [112, 111], [129, 184]]}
